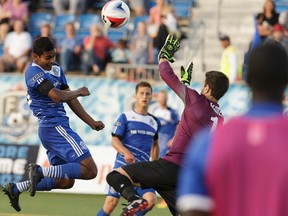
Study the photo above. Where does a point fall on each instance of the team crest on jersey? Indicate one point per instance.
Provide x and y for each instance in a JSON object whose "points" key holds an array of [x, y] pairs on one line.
{"points": [[151, 122], [55, 71], [16, 120]]}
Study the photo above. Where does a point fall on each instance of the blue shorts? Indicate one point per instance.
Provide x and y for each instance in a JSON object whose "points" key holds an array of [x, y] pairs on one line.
{"points": [[63, 145]]}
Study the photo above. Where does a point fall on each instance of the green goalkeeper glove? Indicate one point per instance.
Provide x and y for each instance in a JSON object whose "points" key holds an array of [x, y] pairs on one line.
{"points": [[186, 74], [170, 47]]}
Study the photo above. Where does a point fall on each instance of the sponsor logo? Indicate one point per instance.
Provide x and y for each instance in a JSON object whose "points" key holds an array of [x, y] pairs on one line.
{"points": [[14, 160], [37, 76]]}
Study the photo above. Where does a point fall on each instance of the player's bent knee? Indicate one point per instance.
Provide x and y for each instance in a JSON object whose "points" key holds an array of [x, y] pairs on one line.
{"points": [[65, 183], [88, 169], [151, 199]]}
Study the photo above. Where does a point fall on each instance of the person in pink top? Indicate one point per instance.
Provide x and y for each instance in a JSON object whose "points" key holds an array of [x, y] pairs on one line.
{"points": [[241, 168], [11, 11], [97, 48]]}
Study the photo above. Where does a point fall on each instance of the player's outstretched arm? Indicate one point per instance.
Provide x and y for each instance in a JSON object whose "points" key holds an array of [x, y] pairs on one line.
{"points": [[67, 95], [78, 109]]}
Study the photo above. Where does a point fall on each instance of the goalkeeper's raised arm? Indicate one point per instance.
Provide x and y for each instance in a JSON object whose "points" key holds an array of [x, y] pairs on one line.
{"points": [[166, 55]]}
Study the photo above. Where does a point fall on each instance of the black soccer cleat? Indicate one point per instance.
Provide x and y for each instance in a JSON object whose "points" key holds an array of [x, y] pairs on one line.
{"points": [[34, 177], [134, 207], [13, 197]]}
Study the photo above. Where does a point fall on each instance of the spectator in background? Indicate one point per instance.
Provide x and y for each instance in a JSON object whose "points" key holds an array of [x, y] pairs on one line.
{"points": [[139, 7], [97, 50], [11, 11], [230, 61], [70, 49], [267, 19], [141, 46], [121, 53], [162, 22], [46, 31], [241, 169], [75, 7], [278, 36], [3, 28], [17, 48]]}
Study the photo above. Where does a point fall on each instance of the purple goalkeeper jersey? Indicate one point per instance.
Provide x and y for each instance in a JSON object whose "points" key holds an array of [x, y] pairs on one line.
{"points": [[199, 112]]}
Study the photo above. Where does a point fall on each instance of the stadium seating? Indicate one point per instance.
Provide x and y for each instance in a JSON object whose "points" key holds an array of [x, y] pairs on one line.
{"points": [[59, 25], [182, 8], [36, 20], [115, 34], [1, 49], [85, 21], [281, 5]]}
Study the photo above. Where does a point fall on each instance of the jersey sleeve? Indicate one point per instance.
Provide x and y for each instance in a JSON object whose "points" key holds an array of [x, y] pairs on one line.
{"points": [[158, 128], [64, 80], [170, 78], [119, 127], [34, 77], [192, 192]]}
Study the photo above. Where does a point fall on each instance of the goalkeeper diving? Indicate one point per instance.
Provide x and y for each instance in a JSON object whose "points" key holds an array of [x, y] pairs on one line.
{"points": [[200, 111]]}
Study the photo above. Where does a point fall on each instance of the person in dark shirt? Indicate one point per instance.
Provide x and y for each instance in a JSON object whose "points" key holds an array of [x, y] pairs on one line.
{"points": [[201, 110], [267, 19]]}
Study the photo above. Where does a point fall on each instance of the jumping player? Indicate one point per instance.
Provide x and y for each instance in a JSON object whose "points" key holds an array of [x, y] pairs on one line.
{"points": [[135, 138], [69, 157], [201, 110], [241, 169]]}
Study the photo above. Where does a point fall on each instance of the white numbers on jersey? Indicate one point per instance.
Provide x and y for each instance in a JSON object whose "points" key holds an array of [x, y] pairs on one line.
{"points": [[214, 124]]}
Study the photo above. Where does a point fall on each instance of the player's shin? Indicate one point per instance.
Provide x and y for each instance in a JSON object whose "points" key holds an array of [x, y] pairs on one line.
{"points": [[122, 185]]}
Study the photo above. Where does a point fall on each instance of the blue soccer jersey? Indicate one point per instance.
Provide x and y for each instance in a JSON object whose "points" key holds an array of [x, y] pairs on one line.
{"points": [[47, 111], [137, 133], [169, 120]]}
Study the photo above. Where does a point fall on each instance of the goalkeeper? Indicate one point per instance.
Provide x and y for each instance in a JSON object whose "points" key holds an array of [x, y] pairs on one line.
{"points": [[200, 111]]}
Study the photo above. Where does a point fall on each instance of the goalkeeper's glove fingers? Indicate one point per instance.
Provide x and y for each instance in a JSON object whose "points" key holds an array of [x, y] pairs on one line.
{"points": [[171, 46], [186, 74]]}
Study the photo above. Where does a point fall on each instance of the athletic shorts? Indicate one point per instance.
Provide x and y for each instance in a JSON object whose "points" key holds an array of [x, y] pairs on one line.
{"points": [[63, 145], [140, 191], [160, 175]]}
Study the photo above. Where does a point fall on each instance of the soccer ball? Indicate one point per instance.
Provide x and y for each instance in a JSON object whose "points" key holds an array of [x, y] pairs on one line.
{"points": [[115, 14]]}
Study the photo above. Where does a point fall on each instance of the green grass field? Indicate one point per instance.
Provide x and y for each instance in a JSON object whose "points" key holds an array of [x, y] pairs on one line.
{"points": [[59, 204]]}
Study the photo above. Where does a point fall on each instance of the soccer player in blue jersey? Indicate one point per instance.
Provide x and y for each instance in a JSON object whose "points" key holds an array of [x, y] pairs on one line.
{"points": [[241, 168], [69, 158], [135, 138], [201, 110], [169, 120]]}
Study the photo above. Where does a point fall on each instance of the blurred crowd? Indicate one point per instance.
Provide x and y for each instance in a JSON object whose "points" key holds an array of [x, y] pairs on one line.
{"points": [[150, 23], [90, 53]]}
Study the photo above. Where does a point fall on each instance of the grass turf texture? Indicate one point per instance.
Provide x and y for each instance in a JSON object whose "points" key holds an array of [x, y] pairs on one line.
{"points": [[60, 204]]}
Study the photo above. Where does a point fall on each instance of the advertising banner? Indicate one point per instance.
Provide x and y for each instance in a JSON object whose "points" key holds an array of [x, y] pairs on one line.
{"points": [[14, 160], [108, 99]]}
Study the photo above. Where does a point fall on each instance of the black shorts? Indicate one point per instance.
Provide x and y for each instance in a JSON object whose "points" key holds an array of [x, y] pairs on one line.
{"points": [[158, 174]]}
